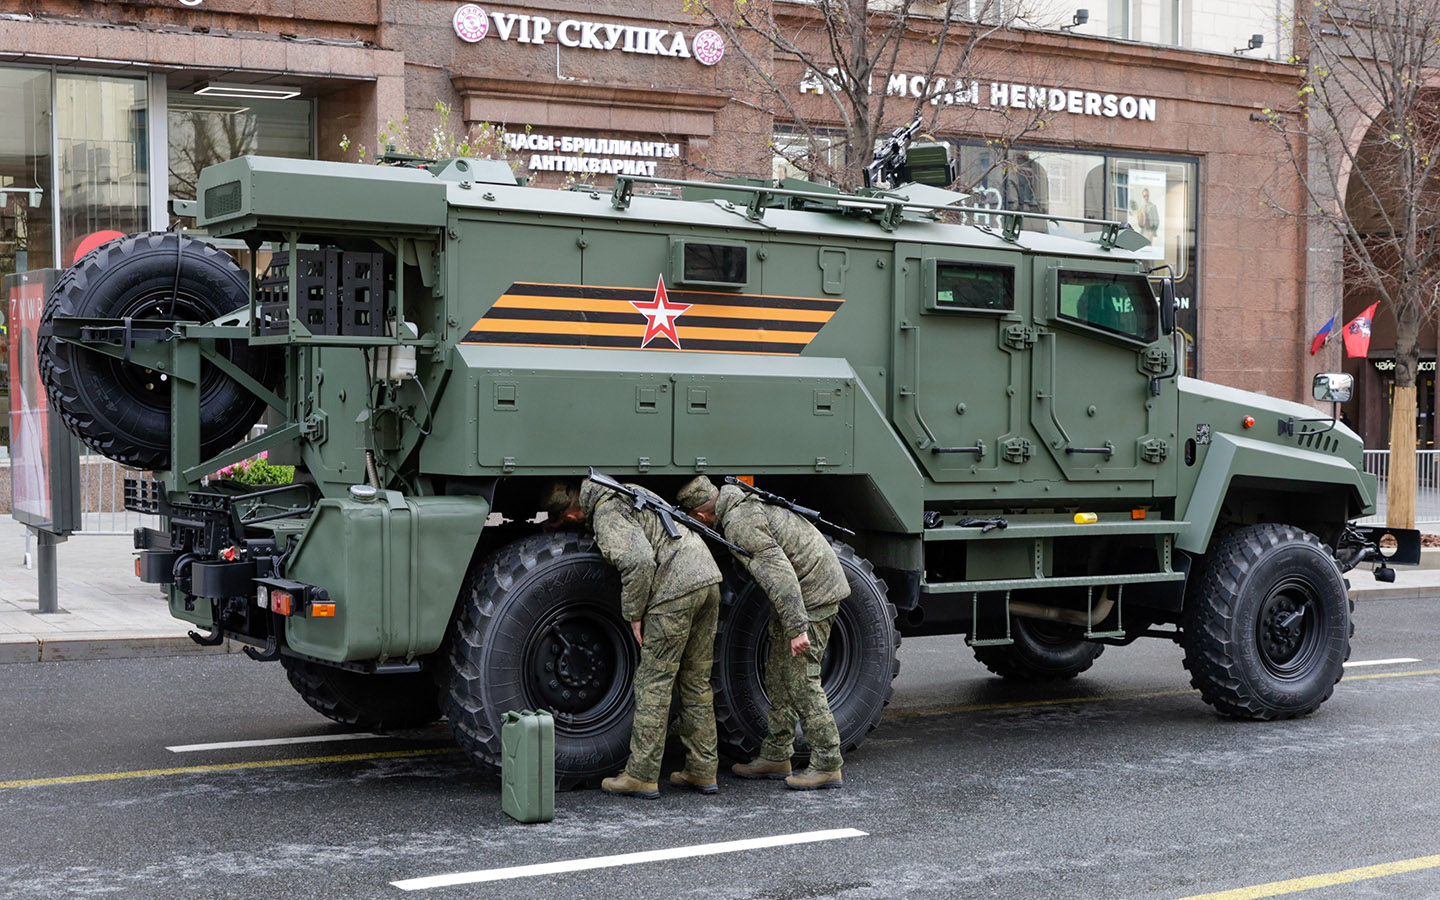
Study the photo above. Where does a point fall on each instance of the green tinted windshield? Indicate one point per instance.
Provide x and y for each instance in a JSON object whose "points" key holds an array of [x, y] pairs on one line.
{"points": [[1122, 304]]}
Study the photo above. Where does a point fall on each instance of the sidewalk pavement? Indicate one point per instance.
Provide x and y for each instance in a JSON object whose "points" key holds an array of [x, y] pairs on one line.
{"points": [[106, 613]]}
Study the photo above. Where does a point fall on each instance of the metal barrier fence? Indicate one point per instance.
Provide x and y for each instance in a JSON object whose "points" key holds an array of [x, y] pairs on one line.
{"points": [[1427, 484], [102, 495], [102, 498]]}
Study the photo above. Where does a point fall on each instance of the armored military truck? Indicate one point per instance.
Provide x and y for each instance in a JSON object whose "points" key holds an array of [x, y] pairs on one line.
{"points": [[990, 401]]}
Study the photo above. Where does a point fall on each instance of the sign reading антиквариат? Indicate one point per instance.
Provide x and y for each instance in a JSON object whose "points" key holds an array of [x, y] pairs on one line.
{"points": [[473, 24]]}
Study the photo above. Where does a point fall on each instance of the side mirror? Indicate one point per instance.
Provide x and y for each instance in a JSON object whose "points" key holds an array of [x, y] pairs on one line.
{"points": [[1167, 306], [1333, 387]]}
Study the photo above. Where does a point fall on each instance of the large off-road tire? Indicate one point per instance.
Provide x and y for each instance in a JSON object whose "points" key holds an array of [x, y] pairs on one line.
{"points": [[1248, 652], [121, 409], [1043, 651], [368, 702], [539, 627], [858, 671]]}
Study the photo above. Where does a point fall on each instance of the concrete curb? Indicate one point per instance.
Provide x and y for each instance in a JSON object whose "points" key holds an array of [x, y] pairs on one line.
{"points": [[1360, 595], [15, 648]]}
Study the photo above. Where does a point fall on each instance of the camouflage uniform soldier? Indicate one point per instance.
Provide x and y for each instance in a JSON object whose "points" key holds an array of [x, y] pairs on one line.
{"points": [[672, 587], [797, 568]]}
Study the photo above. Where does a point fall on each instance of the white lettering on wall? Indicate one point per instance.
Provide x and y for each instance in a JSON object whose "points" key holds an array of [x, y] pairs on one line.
{"points": [[594, 155], [1001, 95]]}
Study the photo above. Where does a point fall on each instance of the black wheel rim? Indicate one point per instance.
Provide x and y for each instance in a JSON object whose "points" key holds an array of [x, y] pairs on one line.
{"points": [[1288, 629], [148, 387], [577, 663]]}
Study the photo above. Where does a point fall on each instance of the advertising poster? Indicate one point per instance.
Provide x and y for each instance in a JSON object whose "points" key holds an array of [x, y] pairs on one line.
{"points": [[31, 444], [1145, 208]]}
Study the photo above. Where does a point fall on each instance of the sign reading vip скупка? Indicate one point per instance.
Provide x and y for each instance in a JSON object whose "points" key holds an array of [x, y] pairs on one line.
{"points": [[473, 24]]}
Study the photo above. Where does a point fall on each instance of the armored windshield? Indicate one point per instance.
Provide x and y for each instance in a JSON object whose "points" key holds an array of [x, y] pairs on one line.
{"points": [[1119, 303]]}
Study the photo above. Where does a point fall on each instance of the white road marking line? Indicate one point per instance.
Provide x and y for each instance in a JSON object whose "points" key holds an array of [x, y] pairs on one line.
{"points": [[623, 859], [1379, 662], [273, 742]]}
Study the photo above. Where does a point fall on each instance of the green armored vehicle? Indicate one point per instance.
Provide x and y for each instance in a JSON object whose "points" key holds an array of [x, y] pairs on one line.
{"points": [[995, 412]]}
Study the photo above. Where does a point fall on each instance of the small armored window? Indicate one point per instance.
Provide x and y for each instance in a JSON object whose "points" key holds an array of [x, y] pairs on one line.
{"points": [[1119, 303], [716, 264], [969, 286]]}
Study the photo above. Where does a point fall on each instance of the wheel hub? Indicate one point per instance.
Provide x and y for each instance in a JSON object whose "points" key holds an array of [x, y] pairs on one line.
{"points": [[1285, 629], [577, 665], [572, 666]]}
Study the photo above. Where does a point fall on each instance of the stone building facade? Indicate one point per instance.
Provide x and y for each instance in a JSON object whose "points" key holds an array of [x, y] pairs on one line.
{"points": [[109, 107]]}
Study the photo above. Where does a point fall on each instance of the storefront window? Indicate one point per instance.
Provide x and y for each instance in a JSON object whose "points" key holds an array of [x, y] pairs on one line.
{"points": [[1155, 197], [102, 141], [26, 237], [26, 197], [205, 130], [796, 155], [1065, 184]]}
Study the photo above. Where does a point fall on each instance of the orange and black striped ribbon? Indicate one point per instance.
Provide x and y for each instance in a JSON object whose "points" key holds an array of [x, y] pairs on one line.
{"points": [[573, 315]]}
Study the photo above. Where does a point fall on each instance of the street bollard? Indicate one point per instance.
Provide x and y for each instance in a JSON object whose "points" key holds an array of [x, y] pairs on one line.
{"points": [[527, 765]]}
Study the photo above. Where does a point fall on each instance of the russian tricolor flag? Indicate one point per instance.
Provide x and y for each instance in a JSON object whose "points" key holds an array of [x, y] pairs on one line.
{"points": [[1322, 336]]}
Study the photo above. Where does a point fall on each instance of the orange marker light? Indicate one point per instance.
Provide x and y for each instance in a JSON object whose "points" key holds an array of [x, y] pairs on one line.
{"points": [[748, 479], [1248, 422], [1086, 518], [137, 567], [1138, 513], [322, 610]]}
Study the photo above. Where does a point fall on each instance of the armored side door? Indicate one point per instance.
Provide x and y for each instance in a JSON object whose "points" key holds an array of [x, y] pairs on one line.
{"points": [[1097, 357], [961, 350]]}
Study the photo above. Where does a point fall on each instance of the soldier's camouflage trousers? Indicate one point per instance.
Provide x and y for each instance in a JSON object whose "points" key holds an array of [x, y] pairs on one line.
{"points": [[793, 683], [678, 653]]}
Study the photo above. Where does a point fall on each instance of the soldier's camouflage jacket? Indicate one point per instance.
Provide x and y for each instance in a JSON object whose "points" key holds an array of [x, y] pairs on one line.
{"points": [[793, 562], [654, 567]]}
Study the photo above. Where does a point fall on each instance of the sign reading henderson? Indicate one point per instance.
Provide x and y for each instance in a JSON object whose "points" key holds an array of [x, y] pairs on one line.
{"points": [[473, 24]]}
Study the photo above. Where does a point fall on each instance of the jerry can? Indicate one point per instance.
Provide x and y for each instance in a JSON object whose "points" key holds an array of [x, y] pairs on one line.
{"points": [[527, 765]]}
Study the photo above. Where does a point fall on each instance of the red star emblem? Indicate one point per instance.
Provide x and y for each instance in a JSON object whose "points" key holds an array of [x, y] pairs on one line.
{"points": [[660, 316]]}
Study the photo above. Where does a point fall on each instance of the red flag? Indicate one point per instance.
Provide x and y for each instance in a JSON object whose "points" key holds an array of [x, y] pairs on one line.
{"points": [[1357, 333]]}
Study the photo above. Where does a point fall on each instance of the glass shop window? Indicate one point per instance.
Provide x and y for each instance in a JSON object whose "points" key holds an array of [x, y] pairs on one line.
{"points": [[102, 143]]}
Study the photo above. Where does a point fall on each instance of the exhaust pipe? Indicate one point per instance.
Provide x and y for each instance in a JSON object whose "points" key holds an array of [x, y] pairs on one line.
{"points": [[1063, 615]]}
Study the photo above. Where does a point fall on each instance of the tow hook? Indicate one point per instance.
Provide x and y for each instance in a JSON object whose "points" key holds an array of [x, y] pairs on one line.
{"points": [[209, 640], [271, 651]]}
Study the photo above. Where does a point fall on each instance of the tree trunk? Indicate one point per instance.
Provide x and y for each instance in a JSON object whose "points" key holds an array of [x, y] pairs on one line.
{"points": [[1400, 495]]}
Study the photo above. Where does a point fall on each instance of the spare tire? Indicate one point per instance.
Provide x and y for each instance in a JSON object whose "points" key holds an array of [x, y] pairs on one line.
{"points": [[122, 409]]}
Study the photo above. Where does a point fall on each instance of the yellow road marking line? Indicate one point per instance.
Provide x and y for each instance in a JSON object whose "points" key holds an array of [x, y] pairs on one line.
{"points": [[1061, 701], [224, 767], [1312, 882], [440, 751], [1389, 675]]}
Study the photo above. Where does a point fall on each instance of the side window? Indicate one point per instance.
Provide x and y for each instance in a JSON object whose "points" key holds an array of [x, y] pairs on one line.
{"points": [[969, 286], [706, 263], [1121, 304]]}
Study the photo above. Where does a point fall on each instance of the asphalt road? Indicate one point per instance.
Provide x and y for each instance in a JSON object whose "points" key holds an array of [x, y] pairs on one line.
{"points": [[1121, 784]]}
